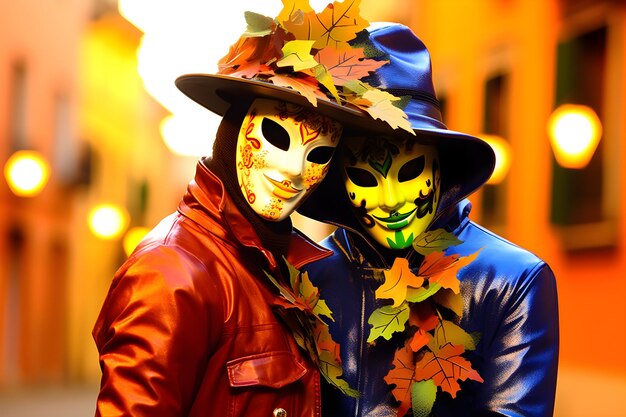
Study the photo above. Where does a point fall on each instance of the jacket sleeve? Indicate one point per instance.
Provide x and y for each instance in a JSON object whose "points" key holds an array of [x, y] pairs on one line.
{"points": [[153, 335], [521, 355]]}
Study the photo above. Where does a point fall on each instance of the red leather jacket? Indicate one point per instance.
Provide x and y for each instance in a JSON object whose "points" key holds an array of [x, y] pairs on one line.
{"points": [[187, 327]]}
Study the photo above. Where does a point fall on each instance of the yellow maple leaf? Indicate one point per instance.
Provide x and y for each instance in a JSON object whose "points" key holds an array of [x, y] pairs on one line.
{"points": [[382, 108], [397, 279], [323, 77], [336, 25], [298, 55], [291, 8]]}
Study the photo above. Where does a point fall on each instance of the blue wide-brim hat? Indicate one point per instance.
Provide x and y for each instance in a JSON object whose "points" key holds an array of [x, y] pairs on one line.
{"points": [[466, 161]]}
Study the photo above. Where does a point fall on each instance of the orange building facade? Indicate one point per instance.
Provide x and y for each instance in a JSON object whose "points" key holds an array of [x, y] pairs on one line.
{"points": [[69, 89]]}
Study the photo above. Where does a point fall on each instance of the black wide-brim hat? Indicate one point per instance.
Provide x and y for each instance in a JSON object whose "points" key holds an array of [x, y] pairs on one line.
{"points": [[466, 161]]}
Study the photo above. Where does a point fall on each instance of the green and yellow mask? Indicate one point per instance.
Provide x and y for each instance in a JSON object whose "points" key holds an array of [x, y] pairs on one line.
{"points": [[393, 185]]}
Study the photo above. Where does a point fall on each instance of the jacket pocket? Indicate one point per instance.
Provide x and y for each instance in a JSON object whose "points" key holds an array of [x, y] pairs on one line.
{"points": [[270, 369]]}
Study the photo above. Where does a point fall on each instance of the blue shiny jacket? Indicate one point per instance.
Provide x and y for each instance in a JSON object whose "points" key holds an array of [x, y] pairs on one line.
{"points": [[510, 299]]}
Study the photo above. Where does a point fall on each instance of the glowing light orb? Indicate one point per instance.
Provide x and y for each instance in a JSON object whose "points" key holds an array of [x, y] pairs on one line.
{"points": [[27, 173], [108, 221], [575, 132], [132, 238], [504, 155]]}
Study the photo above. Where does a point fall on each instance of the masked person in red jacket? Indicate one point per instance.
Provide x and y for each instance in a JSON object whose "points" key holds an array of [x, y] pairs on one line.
{"points": [[433, 314], [209, 315]]}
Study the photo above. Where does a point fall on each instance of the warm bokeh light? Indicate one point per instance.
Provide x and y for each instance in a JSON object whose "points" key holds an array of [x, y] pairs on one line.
{"points": [[132, 238], [183, 37], [186, 135], [575, 132], [504, 154], [108, 221], [26, 173]]}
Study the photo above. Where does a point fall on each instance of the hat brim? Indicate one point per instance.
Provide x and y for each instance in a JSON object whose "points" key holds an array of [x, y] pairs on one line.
{"points": [[466, 160]]}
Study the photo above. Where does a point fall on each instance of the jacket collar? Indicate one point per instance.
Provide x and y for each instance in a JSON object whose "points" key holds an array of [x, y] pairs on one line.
{"points": [[207, 204]]}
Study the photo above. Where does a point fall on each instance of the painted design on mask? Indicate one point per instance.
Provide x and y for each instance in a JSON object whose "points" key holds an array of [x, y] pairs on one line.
{"points": [[394, 187], [283, 153]]}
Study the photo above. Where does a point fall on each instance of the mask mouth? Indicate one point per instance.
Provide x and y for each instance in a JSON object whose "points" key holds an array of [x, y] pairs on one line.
{"points": [[282, 189], [396, 220]]}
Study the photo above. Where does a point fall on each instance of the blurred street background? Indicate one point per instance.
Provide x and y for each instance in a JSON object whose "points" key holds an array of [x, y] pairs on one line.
{"points": [[97, 145]]}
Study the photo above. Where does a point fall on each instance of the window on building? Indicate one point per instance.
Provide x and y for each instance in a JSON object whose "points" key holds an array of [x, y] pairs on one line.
{"points": [[496, 122], [19, 107], [581, 197]]}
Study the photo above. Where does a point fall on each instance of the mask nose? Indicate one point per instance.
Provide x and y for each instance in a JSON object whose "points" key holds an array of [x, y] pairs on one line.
{"points": [[293, 164], [389, 196]]}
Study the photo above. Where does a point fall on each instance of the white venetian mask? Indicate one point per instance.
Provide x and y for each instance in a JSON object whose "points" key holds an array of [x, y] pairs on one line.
{"points": [[283, 153]]}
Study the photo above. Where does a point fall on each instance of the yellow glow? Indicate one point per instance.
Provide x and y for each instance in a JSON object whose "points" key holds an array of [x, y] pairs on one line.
{"points": [[108, 221], [190, 134], [132, 238], [504, 155], [183, 37], [575, 132], [26, 172]]}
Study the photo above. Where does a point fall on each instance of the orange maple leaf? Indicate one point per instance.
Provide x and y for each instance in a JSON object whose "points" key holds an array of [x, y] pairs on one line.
{"points": [[419, 340], [336, 25], [324, 340], [446, 367], [347, 65], [250, 50], [402, 375], [397, 279], [442, 269]]}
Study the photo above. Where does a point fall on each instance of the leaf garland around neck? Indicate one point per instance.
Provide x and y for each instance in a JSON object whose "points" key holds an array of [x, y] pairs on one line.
{"points": [[426, 308], [301, 308]]}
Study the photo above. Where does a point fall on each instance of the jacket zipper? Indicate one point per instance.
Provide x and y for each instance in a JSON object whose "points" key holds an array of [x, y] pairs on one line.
{"points": [[360, 379]]}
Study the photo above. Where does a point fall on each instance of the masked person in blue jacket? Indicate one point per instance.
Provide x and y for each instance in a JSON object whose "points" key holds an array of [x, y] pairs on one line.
{"points": [[433, 314]]}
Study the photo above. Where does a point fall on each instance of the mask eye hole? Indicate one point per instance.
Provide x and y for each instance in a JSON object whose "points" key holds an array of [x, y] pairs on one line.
{"points": [[361, 177], [275, 134], [412, 169], [321, 155]]}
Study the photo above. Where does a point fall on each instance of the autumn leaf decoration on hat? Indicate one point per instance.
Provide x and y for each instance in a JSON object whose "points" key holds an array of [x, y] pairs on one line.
{"points": [[320, 55]]}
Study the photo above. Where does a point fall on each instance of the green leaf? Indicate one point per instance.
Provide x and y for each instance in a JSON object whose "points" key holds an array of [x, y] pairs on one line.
{"points": [[387, 320], [423, 394], [435, 241], [449, 333], [357, 87], [258, 25], [417, 295]]}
